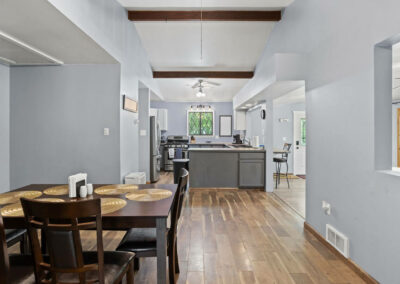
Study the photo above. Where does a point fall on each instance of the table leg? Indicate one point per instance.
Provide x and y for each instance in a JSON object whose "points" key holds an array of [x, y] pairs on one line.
{"points": [[161, 224]]}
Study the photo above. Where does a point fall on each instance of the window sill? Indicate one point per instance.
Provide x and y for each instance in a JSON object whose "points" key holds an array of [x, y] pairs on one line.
{"points": [[392, 172]]}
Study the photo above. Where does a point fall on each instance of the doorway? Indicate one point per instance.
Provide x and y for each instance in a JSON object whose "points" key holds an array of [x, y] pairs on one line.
{"points": [[289, 128]]}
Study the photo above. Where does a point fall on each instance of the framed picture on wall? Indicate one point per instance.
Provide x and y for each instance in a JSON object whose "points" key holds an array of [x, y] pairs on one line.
{"points": [[129, 104], [225, 125]]}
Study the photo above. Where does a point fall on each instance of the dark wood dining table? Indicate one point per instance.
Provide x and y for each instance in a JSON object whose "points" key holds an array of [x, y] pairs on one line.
{"points": [[135, 214]]}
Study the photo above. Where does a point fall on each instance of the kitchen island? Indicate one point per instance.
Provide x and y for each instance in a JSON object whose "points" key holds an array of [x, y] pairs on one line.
{"points": [[221, 165]]}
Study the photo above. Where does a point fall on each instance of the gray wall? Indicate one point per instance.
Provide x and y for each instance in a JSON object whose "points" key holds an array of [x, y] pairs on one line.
{"points": [[337, 40], [57, 119], [285, 129], [4, 128], [107, 23], [177, 118], [144, 125], [394, 134]]}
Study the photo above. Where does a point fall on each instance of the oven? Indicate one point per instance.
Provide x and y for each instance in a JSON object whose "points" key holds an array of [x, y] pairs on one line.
{"points": [[175, 145]]}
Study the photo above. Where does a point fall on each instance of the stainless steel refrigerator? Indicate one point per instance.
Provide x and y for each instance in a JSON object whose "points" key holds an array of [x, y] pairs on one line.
{"points": [[155, 157]]}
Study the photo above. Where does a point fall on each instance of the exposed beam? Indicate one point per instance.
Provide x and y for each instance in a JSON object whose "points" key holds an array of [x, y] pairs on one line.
{"points": [[204, 74], [216, 15]]}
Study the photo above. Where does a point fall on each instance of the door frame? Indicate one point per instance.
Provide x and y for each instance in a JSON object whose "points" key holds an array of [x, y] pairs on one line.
{"points": [[398, 137], [294, 142]]}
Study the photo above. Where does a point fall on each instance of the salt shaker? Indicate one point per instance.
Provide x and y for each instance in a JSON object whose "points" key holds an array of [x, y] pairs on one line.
{"points": [[89, 188], [83, 191]]}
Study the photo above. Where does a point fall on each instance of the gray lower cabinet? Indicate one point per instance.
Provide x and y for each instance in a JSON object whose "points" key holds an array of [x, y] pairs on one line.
{"points": [[251, 173]]}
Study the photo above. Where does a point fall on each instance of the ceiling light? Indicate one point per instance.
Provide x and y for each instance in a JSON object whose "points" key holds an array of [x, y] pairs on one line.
{"points": [[8, 61], [28, 47], [249, 105]]}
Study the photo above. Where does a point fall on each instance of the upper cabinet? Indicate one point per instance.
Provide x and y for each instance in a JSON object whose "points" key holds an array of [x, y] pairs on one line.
{"points": [[163, 118], [240, 120]]}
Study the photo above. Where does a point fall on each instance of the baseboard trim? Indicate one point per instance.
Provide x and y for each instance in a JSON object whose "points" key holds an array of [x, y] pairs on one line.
{"points": [[353, 266]]}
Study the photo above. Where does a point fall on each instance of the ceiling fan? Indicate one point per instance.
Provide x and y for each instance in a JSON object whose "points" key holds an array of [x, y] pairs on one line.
{"points": [[201, 84]]}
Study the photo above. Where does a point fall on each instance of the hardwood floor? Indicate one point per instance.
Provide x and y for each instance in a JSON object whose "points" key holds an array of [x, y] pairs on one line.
{"points": [[295, 196], [242, 236]]}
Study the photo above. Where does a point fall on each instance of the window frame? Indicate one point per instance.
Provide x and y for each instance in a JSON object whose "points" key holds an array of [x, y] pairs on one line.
{"points": [[200, 110]]}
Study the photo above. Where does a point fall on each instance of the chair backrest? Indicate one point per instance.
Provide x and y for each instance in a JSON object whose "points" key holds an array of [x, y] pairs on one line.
{"points": [[179, 197], [4, 262], [61, 223], [286, 147]]}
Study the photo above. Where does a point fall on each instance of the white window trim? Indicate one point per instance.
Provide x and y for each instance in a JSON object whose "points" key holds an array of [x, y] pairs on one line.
{"points": [[200, 110]]}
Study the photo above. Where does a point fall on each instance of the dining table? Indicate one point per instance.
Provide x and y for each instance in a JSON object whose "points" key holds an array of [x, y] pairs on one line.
{"points": [[135, 214]]}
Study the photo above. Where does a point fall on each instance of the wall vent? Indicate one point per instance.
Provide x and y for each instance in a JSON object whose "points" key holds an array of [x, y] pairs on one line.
{"points": [[337, 240]]}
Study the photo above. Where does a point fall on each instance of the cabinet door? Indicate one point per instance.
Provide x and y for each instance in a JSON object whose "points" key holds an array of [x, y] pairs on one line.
{"points": [[251, 173], [163, 119], [240, 120]]}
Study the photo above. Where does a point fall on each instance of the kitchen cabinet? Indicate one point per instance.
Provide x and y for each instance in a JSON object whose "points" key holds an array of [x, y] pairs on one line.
{"points": [[239, 120], [251, 170], [153, 112], [163, 118]]}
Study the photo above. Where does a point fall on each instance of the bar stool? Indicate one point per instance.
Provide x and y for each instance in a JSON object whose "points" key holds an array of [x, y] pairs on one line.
{"points": [[279, 161]]}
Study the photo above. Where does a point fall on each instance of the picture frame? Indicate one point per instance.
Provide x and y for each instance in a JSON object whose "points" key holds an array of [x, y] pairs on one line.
{"points": [[129, 104], [225, 126]]}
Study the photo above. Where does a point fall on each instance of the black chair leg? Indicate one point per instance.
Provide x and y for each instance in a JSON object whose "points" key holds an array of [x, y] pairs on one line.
{"points": [[136, 263], [276, 177], [177, 270], [279, 175], [287, 177]]}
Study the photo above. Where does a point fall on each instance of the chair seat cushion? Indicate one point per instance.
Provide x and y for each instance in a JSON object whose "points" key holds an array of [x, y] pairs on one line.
{"points": [[21, 269], [139, 240], [280, 160], [115, 264], [12, 234]]}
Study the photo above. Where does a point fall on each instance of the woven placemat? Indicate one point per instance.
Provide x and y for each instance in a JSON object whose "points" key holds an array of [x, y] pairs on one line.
{"points": [[110, 205], [116, 189], [150, 194], [57, 190], [15, 210], [12, 197]]}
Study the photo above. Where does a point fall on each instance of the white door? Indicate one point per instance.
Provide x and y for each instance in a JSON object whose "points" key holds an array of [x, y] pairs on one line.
{"points": [[299, 142]]}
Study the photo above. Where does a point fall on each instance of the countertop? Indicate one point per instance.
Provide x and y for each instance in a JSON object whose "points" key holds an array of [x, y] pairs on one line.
{"points": [[228, 148]]}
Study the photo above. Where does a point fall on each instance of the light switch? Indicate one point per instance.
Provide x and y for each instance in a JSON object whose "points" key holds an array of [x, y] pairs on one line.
{"points": [[143, 132], [106, 131]]}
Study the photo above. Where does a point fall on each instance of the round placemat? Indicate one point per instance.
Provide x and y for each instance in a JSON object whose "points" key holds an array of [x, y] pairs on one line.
{"points": [[116, 189], [15, 210], [14, 196], [57, 190], [110, 205], [150, 194]]}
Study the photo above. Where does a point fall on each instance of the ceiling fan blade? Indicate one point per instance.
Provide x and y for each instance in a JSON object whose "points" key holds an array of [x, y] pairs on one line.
{"points": [[212, 83]]}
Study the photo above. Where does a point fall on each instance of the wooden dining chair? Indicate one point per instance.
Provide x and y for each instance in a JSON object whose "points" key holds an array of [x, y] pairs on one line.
{"points": [[143, 241], [61, 223], [14, 236], [14, 268]]}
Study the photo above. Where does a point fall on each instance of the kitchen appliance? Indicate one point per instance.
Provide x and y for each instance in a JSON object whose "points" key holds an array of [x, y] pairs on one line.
{"points": [[236, 139], [173, 143], [155, 157]]}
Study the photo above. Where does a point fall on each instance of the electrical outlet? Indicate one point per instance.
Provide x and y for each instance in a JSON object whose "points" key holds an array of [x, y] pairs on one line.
{"points": [[106, 131]]}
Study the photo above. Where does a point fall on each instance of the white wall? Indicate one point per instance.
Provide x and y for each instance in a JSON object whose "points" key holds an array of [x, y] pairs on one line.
{"points": [[107, 23], [394, 134], [337, 40], [58, 115], [4, 128]]}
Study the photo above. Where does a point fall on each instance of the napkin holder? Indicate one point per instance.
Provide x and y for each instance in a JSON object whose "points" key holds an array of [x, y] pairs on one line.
{"points": [[74, 184]]}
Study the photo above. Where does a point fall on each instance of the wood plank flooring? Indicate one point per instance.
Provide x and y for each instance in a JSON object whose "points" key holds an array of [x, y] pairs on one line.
{"points": [[242, 236]]}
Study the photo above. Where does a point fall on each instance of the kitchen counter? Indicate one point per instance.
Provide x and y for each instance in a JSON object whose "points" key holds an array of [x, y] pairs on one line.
{"points": [[215, 147], [226, 166]]}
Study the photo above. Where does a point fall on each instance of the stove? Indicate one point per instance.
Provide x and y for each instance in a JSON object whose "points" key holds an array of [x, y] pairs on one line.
{"points": [[171, 151]]}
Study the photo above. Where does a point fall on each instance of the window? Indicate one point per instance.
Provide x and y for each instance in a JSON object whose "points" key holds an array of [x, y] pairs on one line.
{"points": [[201, 123], [303, 131]]}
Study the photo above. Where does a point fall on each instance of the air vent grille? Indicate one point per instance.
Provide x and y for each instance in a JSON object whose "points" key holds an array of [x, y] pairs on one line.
{"points": [[337, 240]]}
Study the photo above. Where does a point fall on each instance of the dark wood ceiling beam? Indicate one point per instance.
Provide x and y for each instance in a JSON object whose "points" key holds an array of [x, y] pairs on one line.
{"points": [[203, 74], [271, 16]]}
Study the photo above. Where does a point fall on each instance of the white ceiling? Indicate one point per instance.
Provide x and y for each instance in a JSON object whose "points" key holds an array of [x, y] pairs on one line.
{"points": [[214, 4], [226, 46], [40, 25], [180, 90], [293, 97]]}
